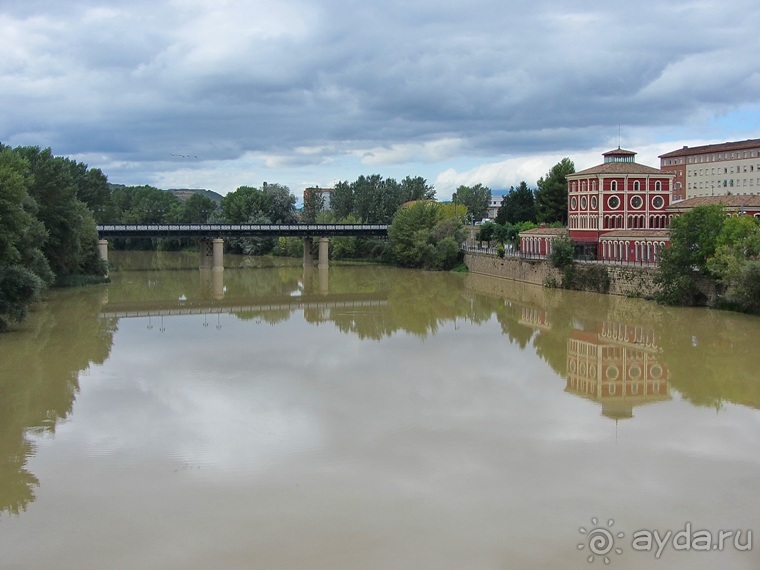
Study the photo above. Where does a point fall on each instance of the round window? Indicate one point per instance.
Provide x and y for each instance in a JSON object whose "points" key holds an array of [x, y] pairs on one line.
{"points": [[593, 202], [658, 202], [613, 202], [636, 202], [573, 203], [584, 203]]}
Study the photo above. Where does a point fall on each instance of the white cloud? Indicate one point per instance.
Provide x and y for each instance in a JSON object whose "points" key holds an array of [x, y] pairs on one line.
{"points": [[321, 91]]}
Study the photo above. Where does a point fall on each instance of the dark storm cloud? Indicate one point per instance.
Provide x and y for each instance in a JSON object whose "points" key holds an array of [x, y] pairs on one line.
{"points": [[137, 81]]}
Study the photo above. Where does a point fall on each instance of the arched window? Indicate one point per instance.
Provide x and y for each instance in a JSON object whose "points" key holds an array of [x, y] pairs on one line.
{"points": [[636, 185], [613, 185], [658, 186]]}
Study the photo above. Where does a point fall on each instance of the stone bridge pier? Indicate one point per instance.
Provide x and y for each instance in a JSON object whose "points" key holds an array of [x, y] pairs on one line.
{"points": [[324, 252]]}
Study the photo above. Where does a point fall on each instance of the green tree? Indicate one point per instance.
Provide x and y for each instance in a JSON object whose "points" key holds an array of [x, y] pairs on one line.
{"points": [[24, 271], [519, 205], [416, 188], [313, 204], [197, 209], [279, 204], [477, 199], [243, 204], [273, 202], [421, 236], [551, 195], [693, 241], [342, 199], [487, 232], [71, 244]]}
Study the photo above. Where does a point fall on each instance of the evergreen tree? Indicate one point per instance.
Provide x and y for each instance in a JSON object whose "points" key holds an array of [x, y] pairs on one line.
{"points": [[519, 205], [551, 195]]}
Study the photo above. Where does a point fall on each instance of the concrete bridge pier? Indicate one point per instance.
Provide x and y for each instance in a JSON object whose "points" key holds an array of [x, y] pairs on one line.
{"points": [[324, 253], [323, 280], [308, 259], [212, 253], [103, 249], [103, 252]]}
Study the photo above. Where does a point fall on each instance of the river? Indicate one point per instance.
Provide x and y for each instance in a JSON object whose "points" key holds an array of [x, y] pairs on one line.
{"points": [[370, 417]]}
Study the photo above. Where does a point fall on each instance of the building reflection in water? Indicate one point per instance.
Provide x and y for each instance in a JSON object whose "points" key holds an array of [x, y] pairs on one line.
{"points": [[614, 364], [617, 366]]}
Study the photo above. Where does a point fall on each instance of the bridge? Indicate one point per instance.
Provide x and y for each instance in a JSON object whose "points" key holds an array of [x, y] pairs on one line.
{"points": [[233, 306], [211, 236]]}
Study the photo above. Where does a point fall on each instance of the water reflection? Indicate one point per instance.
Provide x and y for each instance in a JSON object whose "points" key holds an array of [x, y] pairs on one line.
{"points": [[618, 367], [709, 357], [41, 364], [618, 353]]}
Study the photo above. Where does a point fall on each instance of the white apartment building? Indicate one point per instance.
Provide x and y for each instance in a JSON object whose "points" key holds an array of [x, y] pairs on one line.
{"points": [[714, 170]]}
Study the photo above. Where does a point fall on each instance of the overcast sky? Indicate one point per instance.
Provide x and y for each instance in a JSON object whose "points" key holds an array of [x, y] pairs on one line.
{"points": [[222, 93]]}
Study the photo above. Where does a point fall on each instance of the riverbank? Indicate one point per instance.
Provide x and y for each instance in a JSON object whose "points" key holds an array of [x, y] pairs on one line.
{"points": [[627, 281]]}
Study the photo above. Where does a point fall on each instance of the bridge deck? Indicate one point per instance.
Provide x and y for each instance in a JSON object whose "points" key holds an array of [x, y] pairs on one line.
{"points": [[239, 230]]}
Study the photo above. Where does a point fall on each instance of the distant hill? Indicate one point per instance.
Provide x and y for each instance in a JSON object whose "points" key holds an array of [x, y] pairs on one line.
{"points": [[184, 193]]}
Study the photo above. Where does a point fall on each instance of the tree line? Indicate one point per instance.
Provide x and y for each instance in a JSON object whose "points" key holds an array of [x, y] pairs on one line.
{"points": [[50, 207], [709, 246]]}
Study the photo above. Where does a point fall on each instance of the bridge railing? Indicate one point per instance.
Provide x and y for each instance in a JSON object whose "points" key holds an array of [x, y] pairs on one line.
{"points": [[226, 230]]}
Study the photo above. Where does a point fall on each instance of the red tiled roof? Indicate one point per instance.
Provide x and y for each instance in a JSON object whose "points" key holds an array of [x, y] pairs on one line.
{"points": [[619, 151], [728, 201], [619, 168], [721, 147], [545, 232]]}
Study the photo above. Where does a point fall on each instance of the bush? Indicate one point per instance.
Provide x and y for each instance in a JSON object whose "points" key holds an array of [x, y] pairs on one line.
{"points": [[561, 255], [19, 287]]}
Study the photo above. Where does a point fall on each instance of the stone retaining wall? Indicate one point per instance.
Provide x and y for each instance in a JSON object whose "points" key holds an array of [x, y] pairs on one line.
{"points": [[627, 281]]}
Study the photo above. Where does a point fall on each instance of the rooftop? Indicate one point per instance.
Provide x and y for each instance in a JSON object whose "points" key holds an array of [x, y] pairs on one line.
{"points": [[543, 231], [618, 168], [721, 147], [728, 201]]}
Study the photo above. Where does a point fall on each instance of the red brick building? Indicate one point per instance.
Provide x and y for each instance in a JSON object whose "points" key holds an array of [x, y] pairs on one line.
{"points": [[618, 209], [621, 210]]}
